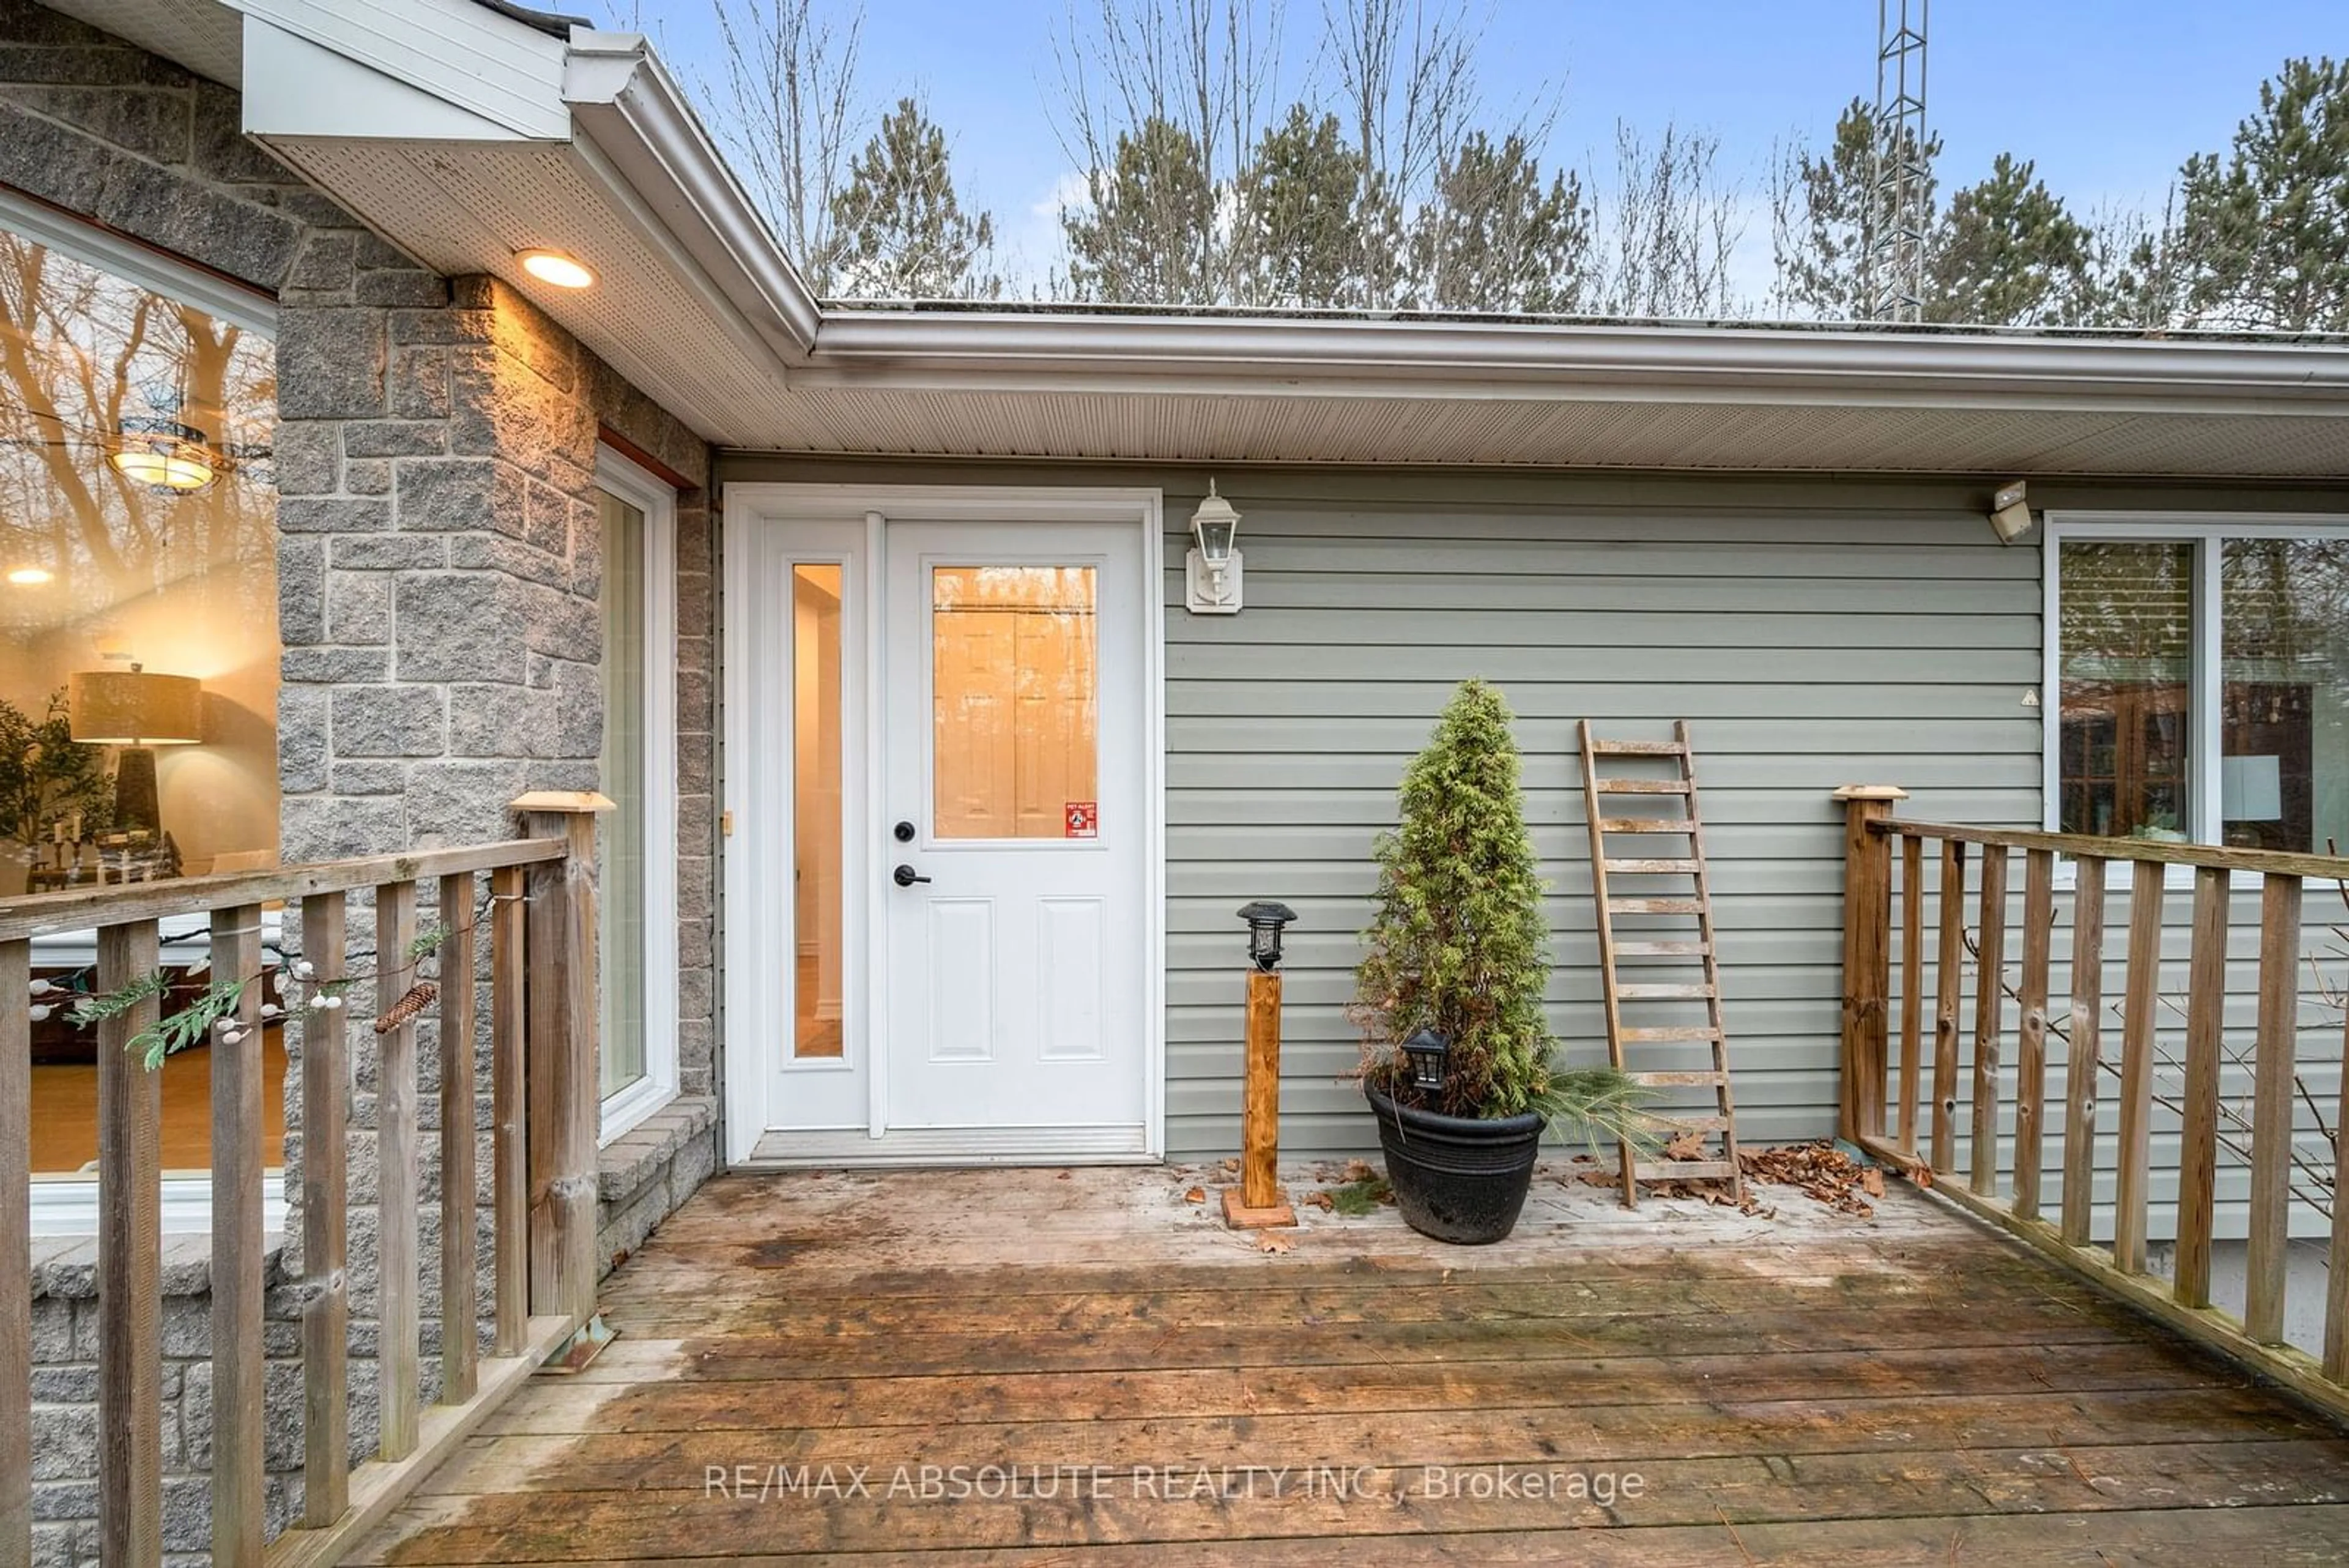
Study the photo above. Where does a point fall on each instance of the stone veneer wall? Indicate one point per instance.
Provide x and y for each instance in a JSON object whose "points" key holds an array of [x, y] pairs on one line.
{"points": [[438, 574]]}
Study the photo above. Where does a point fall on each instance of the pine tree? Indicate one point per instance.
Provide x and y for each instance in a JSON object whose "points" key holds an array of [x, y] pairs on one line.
{"points": [[1146, 232], [1823, 221], [2269, 225], [2007, 253], [1458, 944], [899, 230], [1493, 240], [1307, 216]]}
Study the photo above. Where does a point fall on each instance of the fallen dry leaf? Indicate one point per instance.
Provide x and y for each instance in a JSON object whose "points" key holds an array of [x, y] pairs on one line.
{"points": [[1321, 1200], [1196, 1195], [1231, 1168], [1824, 1173], [1687, 1146], [1360, 1170], [1269, 1241], [1062, 1177]]}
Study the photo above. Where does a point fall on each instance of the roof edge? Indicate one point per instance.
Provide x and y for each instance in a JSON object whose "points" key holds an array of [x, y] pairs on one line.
{"points": [[1360, 357], [621, 94]]}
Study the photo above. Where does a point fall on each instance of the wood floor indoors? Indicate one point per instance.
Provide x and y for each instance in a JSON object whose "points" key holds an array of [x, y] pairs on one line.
{"points": [[1084, 1367]]}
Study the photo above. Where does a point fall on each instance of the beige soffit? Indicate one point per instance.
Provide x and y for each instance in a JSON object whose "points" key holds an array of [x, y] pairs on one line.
{"points": [[205, 36], [467, 131]]}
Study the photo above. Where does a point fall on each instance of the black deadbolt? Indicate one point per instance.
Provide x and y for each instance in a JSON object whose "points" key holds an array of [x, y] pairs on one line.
{"points": [[903, 832]]}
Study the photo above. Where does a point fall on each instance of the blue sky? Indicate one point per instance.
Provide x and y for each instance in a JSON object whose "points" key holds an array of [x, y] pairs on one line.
{"points": [[2108, 96]]}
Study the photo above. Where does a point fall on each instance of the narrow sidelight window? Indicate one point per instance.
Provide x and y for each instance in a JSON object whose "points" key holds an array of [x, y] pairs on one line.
{"points": [[816, 790]]}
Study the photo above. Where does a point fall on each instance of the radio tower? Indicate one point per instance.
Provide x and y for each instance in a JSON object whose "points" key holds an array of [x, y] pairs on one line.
{"points": [[1900, 201]]}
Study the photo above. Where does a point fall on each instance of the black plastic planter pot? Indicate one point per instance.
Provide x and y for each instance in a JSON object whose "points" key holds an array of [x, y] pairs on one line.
{"points": [[1458, 1179]]}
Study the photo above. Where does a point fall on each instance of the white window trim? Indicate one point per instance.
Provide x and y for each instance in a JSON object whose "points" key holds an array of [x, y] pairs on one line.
{"points": [[630, 1105], [2204, 530], [68, 1205], [150, 269]]}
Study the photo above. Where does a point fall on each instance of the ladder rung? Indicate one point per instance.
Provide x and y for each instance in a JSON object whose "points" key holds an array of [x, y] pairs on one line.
{"points": [[1641, 786], [1689, 1123], [1677, 1032], [1648, 825], [1655, 906], [1638, 749], [1666, 868], [1691, 1079], [1662, 949], [1682, 1169], [1645, 993]]}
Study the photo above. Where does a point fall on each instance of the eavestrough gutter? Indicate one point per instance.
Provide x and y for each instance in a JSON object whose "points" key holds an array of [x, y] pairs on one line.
{"points": [[632, 110], [1219, 352]]}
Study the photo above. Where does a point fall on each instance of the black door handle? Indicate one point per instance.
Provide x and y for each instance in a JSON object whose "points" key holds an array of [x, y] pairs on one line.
{"points": [[905, 876]]}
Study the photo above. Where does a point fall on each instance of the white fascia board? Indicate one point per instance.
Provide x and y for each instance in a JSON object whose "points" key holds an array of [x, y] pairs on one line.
{"points": [[297, 88], [1351, 357], [466, 65], [624, 100]]}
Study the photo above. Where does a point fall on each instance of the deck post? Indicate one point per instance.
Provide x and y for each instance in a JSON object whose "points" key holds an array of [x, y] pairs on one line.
{"points": [[1867, 956], [561, 1010]]}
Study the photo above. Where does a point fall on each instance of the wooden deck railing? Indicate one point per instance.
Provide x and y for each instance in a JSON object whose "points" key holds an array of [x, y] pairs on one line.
{"points": [[540, 920], [1877, 901]]}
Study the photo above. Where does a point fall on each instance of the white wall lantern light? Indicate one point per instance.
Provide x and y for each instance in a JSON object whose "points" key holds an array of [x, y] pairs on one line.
{"points": [[1211, 571]]}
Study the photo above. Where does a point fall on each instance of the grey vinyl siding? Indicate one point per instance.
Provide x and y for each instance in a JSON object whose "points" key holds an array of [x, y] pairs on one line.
{"points": [[1808, 644], [1814, 633]]}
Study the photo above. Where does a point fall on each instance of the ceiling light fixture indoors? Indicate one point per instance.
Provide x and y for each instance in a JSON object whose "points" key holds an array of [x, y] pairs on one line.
{"points": [[560, 268], [30, 576], [165, 454]]}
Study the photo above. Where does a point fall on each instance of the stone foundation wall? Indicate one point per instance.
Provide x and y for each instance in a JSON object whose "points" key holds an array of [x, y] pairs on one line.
{"points": [[65, 1401], [439, 569]]}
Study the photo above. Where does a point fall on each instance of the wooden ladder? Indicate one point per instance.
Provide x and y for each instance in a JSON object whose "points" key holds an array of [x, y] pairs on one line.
{"points": [[1664, 943]]}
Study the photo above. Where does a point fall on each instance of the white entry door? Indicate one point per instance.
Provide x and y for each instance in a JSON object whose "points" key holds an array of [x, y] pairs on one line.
{"points": [[944, 908], [1013, 807]]}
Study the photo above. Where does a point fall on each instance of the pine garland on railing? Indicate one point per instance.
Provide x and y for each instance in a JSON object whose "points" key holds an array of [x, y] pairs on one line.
{"points": [[217, 1007]]}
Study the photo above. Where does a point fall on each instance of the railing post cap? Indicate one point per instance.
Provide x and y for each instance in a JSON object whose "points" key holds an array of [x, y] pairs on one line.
{"points": [[1871, 792], [574, 801]]}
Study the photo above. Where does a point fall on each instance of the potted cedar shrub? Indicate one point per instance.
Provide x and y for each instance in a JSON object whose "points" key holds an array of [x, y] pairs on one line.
{"points": [[1458, 961]]}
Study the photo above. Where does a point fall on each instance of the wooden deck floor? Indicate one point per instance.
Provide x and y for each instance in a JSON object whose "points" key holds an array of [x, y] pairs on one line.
{"points": [[1026, 1367]]}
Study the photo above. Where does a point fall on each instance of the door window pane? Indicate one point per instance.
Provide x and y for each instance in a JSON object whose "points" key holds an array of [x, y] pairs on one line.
{"points": [[1016, 702], [816, 832], [620, 833], [2283, 733], [2127, 660]]}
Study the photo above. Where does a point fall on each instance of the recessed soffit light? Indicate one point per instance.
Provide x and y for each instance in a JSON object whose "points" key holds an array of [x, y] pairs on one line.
{"points": [[558, 267]]}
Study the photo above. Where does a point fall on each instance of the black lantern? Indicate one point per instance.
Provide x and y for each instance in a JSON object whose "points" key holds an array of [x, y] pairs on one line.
{"points": [[1264, 920], [1430, 1055]]}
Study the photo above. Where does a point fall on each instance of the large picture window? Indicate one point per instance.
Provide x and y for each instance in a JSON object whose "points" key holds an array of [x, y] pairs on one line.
{"points": [[2201, 681], [139, 667]]}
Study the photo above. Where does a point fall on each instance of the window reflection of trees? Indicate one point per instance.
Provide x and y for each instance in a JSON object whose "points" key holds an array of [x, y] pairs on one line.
{"points": [[81, 353]]}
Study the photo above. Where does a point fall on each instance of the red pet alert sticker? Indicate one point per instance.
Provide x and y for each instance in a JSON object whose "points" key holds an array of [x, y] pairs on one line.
{"points": [[1082, 819]]}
